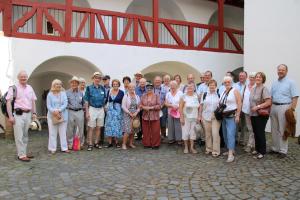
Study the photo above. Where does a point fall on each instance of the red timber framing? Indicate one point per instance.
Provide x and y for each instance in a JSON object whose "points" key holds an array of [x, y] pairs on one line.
{"points": [[77, 24]]}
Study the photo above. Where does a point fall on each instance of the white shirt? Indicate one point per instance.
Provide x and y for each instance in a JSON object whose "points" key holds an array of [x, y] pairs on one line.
{"points": [[209, 105], [191, 106], [246, 100], [174, 100]]}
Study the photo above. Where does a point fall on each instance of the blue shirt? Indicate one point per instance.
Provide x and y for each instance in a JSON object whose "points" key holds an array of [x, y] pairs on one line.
{"points": [[284, 90], [57, 102], [139, 91], [240, 87], [203, 87], [75, 99], [95, 96], [160, 93], [164, 90]]}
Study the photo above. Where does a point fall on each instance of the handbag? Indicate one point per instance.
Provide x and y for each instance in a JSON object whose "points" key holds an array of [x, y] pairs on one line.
{"points": [[76, 143], [136, 123], [175, 113], [265, 112], [221, 107], [56, 121]]}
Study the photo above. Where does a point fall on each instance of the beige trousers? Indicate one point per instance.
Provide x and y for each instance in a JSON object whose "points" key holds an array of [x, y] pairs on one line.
{"points": [[212, 137], [278, 122]]}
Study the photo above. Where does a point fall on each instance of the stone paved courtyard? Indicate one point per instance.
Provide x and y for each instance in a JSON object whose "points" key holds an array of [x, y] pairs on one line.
{"points": [[145, 174]]}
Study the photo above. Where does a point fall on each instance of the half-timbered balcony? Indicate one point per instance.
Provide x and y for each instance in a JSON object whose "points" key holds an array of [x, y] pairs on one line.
{"points": [[67, 22]]}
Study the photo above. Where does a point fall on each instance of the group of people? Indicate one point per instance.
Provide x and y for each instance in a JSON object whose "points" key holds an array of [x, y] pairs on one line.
{"points": [[236, 113]]}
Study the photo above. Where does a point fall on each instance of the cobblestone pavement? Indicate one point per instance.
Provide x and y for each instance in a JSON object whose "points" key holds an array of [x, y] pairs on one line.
{"points": [[141, 173]]}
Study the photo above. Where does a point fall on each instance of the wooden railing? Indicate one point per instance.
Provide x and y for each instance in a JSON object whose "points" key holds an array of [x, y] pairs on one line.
{"points": [[58, 22]]}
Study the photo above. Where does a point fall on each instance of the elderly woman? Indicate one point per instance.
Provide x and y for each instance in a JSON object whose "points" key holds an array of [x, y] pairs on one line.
{"points": [[150, 103], [189, 116], [260, 98], [57, 117], [126, 81], [113, 121], [209, 103], [231, 115], [246, 110], [172, 103], [131, 108], [178, 80]]}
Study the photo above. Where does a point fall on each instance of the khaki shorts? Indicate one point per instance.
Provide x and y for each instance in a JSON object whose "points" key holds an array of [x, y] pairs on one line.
{"points": [[96, 117], [188, 131]]}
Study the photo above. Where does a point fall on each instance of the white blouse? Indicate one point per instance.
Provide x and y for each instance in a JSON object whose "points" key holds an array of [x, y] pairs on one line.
{"points": [[209, 105]]}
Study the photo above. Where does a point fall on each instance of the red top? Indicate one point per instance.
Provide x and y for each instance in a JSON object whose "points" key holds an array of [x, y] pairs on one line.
{"points": [[152, 100]]}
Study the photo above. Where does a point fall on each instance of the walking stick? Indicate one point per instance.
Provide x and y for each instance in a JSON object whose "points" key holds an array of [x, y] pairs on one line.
{"points": [[149, 128]]}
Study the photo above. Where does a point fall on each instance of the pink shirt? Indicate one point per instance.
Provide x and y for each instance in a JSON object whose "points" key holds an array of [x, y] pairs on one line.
{"points": [[25, 96]]}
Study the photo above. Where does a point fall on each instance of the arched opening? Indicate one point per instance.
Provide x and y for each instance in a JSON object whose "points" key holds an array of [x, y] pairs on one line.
{"points": [[233, 18], [62, 68], [172, 68], [167, 9]]}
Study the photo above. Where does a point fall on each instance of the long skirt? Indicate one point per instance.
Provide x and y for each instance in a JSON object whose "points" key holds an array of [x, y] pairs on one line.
{"points": [[151, 133]]}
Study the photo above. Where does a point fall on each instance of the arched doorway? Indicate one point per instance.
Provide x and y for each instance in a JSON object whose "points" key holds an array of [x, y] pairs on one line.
{"points": [[172, 68], [62, 68]]}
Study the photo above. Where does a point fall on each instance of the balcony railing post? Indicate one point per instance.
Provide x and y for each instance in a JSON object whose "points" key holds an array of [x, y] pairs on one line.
{"points": [[7, 17], [68, 20], [155, 13], [221, 23]]}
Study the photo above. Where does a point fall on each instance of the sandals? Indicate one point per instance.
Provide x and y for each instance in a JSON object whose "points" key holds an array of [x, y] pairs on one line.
{"points": [[90, 148], [66, 151], [124, 147], [98, 146], [230, 159], [109, 146], [254, 152], [24, 159], [118, 145]]}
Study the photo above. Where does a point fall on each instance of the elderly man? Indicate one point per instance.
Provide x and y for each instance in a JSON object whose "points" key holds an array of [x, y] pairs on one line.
{"points": [[203, 87], [82, 85], [21, 113], [190, 79], [75, 111], [95, 98], [241, 86], [138, 76], [284, 96]]}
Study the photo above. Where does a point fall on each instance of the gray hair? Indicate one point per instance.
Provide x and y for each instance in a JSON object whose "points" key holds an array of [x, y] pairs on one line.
{"points": [[227, 78]]}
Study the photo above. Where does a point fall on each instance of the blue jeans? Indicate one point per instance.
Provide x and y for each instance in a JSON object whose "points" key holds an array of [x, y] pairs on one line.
{"points": [[229, 131]]}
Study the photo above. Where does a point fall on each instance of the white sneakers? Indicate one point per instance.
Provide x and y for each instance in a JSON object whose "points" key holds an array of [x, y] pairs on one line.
{"points": [[230, 158]]}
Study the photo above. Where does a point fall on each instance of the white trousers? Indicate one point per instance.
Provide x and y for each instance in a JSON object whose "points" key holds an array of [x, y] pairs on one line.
{"points": [[60, 129], [251, 140]]}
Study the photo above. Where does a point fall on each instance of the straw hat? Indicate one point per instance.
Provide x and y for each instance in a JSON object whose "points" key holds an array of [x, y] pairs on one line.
{"points": [[98, 74], [74, 78], [35, 125], [138, 73]]}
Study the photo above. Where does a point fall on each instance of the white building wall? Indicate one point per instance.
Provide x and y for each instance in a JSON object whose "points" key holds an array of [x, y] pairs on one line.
{"points": [[272, 29]]}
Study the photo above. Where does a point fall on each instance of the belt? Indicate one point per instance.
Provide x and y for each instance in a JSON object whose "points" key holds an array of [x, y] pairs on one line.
{"points": [[97, 107], [280, 104], [76, 110], [25, 111]]}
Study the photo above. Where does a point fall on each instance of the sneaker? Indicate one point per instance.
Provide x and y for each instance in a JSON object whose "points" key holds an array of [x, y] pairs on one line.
{"points": [[225, 153], [254, 152], [258, 156], [230, 159]]}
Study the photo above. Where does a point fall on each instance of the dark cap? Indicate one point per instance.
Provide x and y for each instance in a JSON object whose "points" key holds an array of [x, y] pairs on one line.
{"points": [[106, 77], [149, 85]]}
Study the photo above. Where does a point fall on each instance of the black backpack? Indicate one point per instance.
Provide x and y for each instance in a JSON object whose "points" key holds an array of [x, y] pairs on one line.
{"points": [[3, 101], [205, 94]]}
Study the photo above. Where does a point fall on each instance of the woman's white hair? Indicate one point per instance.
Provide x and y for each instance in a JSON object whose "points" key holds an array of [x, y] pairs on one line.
{"points": [[174, 83], [227, 78], [54, 82]]}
